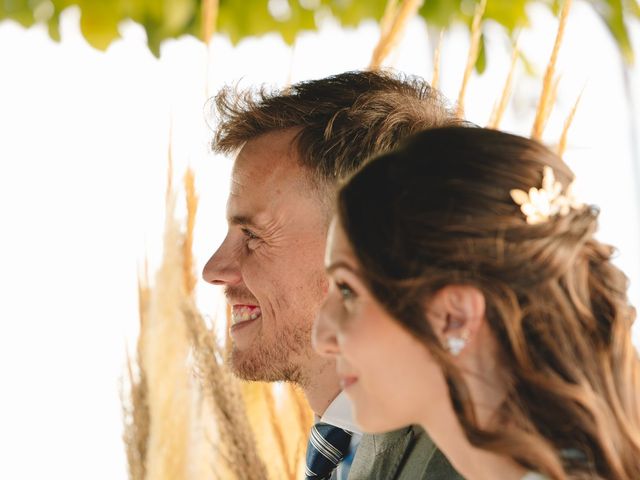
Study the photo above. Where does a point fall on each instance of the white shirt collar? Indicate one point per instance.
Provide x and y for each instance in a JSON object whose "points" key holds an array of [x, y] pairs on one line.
{"points": [[339, 414]]}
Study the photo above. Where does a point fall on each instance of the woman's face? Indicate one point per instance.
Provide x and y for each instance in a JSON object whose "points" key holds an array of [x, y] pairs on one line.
{"points": [[389, 376]]}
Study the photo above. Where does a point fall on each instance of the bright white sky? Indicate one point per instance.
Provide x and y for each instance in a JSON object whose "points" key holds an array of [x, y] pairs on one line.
{"points": [[83, 148]]}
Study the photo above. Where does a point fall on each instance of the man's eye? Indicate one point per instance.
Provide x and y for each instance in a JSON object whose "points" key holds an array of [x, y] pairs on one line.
{"points": [[346, 291], [251, 240], [249, 234]]}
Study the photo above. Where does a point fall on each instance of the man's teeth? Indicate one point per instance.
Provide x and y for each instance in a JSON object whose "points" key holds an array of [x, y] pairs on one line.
{"points": [[244, 314]]}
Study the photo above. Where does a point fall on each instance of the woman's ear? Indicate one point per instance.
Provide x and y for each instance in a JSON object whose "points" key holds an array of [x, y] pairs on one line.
{"points": [[456, 313]]}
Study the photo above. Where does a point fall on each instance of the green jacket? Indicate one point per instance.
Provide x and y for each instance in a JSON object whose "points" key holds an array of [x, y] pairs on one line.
{"points": [[406, 454]]}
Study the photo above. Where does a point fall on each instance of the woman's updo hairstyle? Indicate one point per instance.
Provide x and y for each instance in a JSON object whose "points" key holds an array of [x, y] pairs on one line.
{"points": [[438, 211]]}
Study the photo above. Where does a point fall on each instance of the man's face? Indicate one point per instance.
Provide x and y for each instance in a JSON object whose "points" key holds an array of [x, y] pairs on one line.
{"points": [[271, 262]]}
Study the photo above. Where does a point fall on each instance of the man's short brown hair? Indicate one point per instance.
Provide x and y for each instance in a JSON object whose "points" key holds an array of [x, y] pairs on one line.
{"points": [[343, 119]]}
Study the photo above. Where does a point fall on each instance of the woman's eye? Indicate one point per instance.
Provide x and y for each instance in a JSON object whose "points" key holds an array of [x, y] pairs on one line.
{"points": [[346, 292]]}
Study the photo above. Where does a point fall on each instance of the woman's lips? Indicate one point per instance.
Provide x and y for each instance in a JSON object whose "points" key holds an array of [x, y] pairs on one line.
{"points": [[346, 382]]}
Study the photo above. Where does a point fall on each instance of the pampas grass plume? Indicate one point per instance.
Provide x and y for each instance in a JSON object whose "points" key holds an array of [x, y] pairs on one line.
{"points": [[164, 358], [236, 446]]}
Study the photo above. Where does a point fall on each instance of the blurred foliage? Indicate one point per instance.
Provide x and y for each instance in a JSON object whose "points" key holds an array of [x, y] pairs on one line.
{"points": [[163, 19]]}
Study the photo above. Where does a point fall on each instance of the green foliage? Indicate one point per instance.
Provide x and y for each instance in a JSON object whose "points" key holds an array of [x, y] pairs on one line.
{"points": [[252, 17], [442, 13], [163, 19], [612, 13], [481, 62]]}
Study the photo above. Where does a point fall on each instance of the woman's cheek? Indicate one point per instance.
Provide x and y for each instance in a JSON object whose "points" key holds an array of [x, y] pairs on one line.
{"points": [[358, 343]]}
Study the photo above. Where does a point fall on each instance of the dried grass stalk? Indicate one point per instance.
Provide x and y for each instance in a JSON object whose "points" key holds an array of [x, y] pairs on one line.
{"points": [[296, 413], [207, 462], [236, 444], [435, 81], [169, 192], [164, 358], [144, 298], [562, 145], [552, 96], [546, 96], [136, 421], [187, 244], [282, 419], [390, 13], [302, 410], [389, 41], [255, 396], [172, 428], [277, 423], [472, 57], [209, 19], [501, 105], [271, 424], [133, 393], [205, 436]]}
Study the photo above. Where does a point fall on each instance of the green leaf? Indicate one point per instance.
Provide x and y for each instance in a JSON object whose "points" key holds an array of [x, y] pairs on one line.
{"points": [[481, 62], [164, 19], [99, 24], [18, 10], [511, 14], [442, 13], [53, 26], [351, 13], [177, 14], [612, 13]]}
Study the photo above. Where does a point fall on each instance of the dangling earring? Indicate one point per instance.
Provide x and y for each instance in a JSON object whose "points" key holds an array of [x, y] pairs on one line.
{"points": [[455, 345]]}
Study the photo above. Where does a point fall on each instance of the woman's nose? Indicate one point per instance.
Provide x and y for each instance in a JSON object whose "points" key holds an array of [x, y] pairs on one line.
{"points": [[323, 337]]}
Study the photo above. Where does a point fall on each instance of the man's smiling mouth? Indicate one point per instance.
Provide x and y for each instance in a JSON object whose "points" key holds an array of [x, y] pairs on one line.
{"points": [[244, 313]]}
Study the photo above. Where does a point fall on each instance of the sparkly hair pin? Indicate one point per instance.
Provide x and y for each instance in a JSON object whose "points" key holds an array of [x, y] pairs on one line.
{"points": [[540, 204]]}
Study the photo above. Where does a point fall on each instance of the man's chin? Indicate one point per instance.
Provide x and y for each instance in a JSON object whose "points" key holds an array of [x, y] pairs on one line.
{"points": [[255, 367]]}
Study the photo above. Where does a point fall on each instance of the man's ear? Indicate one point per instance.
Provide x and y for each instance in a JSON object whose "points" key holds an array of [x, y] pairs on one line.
{"points": [[456, 313]]}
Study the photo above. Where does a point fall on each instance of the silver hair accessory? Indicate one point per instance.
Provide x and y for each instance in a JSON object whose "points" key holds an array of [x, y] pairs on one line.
{"points": [[540, 204]]}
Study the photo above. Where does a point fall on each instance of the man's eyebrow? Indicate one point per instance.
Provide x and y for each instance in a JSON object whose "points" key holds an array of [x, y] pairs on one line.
{"points": [[245, 220]]}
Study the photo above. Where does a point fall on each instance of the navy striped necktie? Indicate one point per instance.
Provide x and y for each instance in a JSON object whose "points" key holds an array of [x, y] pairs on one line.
{"points": [[327, 446]]}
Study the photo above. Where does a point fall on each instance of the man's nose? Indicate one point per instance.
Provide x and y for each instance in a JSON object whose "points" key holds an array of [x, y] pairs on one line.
{"points": [[323, 336], [223, 267]]}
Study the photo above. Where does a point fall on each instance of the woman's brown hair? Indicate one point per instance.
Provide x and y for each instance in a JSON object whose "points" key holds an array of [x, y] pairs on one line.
{"points": [[438, 211]]}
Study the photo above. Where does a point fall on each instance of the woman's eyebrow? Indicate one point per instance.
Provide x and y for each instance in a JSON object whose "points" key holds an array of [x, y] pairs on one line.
{"points": [[341, 264]]}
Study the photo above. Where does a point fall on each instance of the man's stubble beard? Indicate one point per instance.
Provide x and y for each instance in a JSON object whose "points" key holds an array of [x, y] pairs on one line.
{"points": [[287, 357], [280, 361]]}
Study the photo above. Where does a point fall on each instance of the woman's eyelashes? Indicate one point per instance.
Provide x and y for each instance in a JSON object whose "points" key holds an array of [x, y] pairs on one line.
{"points": [[346, 292]]}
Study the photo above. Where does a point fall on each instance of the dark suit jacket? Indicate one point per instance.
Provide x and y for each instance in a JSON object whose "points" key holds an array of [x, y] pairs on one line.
{"points": [[406, 454]]}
